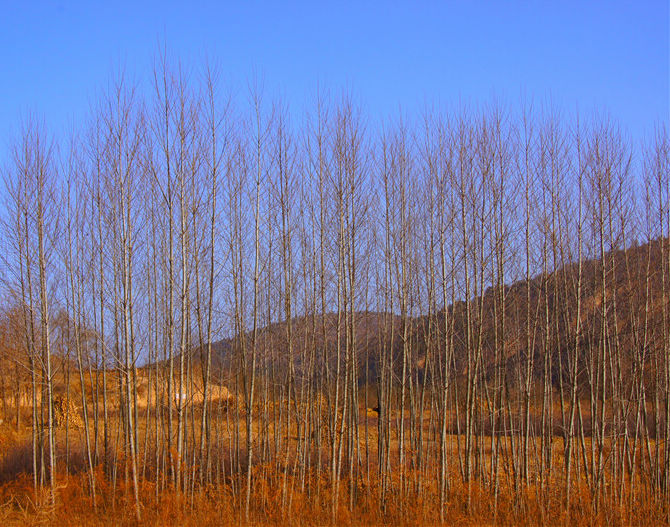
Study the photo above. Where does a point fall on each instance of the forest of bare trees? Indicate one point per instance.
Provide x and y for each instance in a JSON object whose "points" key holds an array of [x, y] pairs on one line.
{"points": [[463, 310]]}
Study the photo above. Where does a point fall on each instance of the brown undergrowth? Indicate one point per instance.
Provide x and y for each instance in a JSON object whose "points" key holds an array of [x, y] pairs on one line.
{"points": [[277, 499], [215, 504]]}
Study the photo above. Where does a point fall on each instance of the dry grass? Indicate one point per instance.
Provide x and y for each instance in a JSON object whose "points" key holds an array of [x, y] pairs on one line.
{"points": [[308, 506], [303, 505], [216, 505]]}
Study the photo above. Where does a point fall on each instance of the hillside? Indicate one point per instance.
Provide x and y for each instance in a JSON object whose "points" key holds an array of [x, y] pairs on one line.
{"points": [[542, 312]]}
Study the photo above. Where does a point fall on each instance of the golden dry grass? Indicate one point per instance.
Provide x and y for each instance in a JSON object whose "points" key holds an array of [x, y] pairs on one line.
{"points": [[311, 505], [308, 506]]}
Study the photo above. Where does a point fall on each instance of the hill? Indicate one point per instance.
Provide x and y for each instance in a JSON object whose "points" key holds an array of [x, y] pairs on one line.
{"points": [[528, 327]]}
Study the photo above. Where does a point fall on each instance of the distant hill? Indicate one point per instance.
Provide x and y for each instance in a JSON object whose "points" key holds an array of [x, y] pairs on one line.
{"points": [[544, 311], [315, 341], [633, 280]]}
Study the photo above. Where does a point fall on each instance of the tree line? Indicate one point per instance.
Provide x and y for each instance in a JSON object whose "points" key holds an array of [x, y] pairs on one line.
{"points": [[474, 298]]}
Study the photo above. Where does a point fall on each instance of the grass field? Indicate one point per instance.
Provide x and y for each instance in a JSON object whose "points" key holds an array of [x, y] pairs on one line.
{"points": [[284, 494]]}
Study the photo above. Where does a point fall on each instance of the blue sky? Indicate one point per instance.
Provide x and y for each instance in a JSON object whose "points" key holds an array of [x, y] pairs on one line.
{"points": [[610, 56]]}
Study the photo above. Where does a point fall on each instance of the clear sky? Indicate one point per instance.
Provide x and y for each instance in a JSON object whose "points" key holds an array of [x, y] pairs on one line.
{"points": [[589, 55]]}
